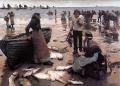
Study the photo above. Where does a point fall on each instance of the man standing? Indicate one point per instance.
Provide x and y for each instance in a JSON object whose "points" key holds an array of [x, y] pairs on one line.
{"points": [[64, 20], [99, 16], [11, 15], [6, 18], [77, 26]]}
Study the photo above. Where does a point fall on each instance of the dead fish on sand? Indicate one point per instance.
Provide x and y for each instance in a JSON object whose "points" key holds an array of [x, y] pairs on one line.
{"points": [[42, 76], [51, 75], [75, 82], [12, 79], [30, 71], [62, 68], [53, 48], [56, 55]]}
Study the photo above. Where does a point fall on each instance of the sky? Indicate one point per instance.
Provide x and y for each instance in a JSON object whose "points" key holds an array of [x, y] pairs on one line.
{"points": [[63, 3]]}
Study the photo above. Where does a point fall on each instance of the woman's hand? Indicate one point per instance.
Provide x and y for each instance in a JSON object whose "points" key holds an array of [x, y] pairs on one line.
{"points": [[28, 37]]}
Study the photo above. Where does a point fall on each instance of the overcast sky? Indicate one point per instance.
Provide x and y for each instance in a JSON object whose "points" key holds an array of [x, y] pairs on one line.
{"points": [[63, 3]]}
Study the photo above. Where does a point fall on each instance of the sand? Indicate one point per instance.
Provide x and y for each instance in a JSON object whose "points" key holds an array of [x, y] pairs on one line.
{"points": [[22, 18]]}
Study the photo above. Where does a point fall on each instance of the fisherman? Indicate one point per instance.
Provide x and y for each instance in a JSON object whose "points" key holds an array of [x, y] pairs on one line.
{"points": [[118, 15], [77, 26], [87, 16], [55, 16], [3, 6], [6, 18], [8, 6], [64, 21], [69, 19], [99, 16], [20, 6], [106, 19], [11, 16], [8, 29], [115, 18], [93, 13], [41, 51]]}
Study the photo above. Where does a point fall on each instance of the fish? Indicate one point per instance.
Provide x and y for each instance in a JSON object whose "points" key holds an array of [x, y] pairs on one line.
{"points": [[55, 75], [50, 75], [12, 79], [30, 71], [56, 55], [42, 76], [62, 68], [76, 82]]}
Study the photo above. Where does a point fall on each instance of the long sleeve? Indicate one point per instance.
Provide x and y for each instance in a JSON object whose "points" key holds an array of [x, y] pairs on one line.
{"points": [[82, 61], [27, 29]]}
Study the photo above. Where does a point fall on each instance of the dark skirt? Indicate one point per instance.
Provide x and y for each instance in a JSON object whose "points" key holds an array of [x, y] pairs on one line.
{"points": [[41, 51]]}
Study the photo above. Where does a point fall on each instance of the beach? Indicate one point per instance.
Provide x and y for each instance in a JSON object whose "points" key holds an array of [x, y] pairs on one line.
{"points": [[22, 18]]}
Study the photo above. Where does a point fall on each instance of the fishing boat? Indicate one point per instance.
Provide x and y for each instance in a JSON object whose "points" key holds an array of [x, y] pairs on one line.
{"points": [[19, 49]]}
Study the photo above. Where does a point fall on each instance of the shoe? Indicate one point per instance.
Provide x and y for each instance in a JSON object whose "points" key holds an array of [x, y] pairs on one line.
{"points": [[48, 63]]}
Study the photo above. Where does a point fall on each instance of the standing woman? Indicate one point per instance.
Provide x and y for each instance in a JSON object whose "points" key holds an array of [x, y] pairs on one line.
{"points": [[40, 49], [77, 26]]}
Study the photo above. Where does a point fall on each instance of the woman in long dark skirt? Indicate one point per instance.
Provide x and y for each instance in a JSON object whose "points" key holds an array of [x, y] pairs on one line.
{"points": [[41, 51]]}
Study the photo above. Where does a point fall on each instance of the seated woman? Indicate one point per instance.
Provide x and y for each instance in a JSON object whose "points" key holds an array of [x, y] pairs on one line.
{"points": [[88, 58], [41, 51], [91, 50]]}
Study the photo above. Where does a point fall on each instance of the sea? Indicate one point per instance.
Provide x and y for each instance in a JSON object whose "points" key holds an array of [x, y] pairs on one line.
{"points": [[23, 16], [62, 3]]}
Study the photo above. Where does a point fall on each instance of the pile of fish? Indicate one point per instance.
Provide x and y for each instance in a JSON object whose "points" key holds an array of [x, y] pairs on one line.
{"points": [[56, 55], [37, 74]]}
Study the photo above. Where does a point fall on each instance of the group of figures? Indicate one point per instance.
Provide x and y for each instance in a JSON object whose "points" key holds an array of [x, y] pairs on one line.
{"points": [[92, 60], [107, 22], [9, 19]]}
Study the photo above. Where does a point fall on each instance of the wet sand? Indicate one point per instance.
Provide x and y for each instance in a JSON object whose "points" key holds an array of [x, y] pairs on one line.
{"points": [[60, 35]]}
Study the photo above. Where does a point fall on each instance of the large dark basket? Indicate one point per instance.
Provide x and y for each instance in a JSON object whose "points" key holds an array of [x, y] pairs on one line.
{"points": [[18, 49]]}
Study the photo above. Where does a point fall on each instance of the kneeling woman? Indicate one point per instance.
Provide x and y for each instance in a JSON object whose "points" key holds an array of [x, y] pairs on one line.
{"points": [[40, 49], [90, 56]]}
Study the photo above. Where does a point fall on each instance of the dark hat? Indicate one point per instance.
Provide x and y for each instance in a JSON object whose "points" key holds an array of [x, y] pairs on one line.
{"points": [[76, 11]]}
